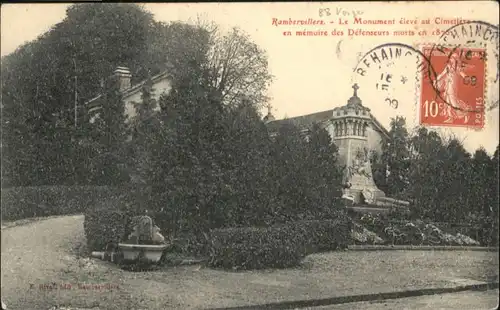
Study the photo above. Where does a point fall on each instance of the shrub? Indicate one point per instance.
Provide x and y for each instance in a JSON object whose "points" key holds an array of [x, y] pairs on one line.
{"points": [[25, 202], [327, 235], [256, 248], [164, 221], [107, 223], [190, 244], [185, 241], [487, 230], [279, 246]]}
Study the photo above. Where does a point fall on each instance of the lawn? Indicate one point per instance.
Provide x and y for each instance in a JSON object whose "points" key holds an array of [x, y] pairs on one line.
{"points": [[321, 276]]}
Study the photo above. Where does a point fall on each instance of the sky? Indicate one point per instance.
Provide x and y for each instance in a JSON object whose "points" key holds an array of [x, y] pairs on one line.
{"points": [[316, 73]]}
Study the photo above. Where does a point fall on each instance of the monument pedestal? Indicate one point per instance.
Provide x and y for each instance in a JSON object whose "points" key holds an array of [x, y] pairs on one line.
{"points": [[368, 198], [362, 188], [350, 124]]}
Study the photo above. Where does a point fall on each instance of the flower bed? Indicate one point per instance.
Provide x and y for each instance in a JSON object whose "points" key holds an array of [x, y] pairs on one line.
{"points": [[361, 235], [417, 232]]}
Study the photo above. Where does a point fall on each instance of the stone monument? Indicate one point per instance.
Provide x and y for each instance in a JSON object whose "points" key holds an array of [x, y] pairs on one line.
{"points": [[350, 124], [356, 133]]}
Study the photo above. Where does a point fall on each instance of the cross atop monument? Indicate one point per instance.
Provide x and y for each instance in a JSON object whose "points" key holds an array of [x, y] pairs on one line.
{"points": [[354, 101], [355, 87]]}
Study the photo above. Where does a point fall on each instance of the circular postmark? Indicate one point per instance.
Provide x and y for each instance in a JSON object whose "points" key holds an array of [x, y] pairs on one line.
{"points": [[469, 51], [391, 71]]}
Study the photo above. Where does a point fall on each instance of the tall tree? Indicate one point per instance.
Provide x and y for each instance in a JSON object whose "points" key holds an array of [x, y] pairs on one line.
{"points": [[100, 38], [483, 193], [495, 201], [190, 177], [454, 185], [144, 127], [246, 161], [109, 133], [397, 157], [379, 169], [175, 47], [325, 175], [46, 76], [426, 173], [40, 79], [289, 173], [238, 67], [19, 117], [480, 180]]}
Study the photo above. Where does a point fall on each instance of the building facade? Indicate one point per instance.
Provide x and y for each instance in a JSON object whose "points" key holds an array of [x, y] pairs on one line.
{"points": [[356, 133], [352, 127], [131, 94]]}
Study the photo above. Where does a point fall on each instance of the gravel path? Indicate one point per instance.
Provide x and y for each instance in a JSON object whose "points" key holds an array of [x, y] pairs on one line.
{"points": [[457, 301], [38, 267], [40, 253]]}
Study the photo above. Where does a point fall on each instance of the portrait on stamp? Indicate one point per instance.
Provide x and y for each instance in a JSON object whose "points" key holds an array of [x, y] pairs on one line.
{"points": [[455, 97]]}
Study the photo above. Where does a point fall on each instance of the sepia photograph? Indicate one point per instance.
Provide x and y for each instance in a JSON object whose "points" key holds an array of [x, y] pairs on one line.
{"points": [[265, 155]]}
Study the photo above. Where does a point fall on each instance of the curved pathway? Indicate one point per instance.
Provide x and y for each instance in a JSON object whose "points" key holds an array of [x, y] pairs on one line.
{"points": [[38, 267]]}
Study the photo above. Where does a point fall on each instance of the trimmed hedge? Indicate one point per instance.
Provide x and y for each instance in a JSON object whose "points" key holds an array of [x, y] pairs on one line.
{"points": [[280, 246], [26, 202], [327, 235], [256, 248], [107, 223]]}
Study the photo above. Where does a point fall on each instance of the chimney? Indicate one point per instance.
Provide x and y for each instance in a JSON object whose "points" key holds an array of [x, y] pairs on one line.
{"points": [[123, 76], [269, 117]]}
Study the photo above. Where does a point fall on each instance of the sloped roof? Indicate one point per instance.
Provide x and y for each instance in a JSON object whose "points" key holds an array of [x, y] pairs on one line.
{"points": [[379, 126], [307, 121], [304, 121]]}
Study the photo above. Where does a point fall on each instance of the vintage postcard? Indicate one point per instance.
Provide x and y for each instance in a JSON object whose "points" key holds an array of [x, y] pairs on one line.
{"points": [[271, 155]]}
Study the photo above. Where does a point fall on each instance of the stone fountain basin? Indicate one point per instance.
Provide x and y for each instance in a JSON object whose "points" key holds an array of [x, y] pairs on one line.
{"points": [[151, 253]]}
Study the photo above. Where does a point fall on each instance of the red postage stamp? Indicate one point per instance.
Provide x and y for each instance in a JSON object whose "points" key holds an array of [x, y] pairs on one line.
{"points": [[453, 90]]}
